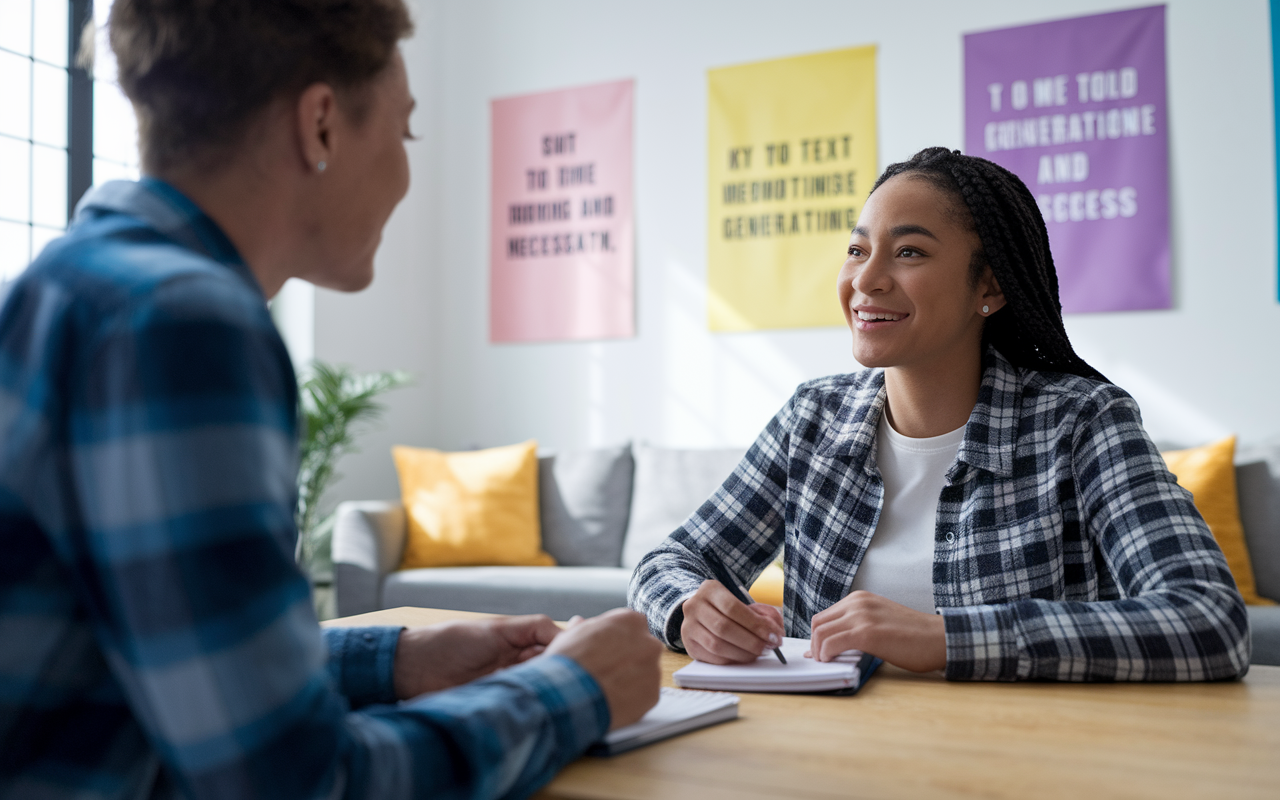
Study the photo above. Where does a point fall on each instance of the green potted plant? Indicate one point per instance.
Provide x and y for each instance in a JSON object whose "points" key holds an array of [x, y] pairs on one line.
{"points": [[333, 400]]}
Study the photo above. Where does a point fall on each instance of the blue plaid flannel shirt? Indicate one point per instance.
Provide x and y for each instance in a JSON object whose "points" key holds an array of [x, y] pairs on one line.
{"points": [[1064, 549], [156, 637]]}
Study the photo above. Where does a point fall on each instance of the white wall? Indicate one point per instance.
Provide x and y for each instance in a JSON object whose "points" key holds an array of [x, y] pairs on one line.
{"points": [[1205, 368]]}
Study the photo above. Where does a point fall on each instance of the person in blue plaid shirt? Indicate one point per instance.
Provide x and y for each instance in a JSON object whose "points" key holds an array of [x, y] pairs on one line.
{"points": [[156, 637], [984, 503]]}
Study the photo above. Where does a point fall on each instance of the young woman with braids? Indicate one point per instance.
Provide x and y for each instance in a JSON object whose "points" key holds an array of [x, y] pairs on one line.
{"points": [[982, 501]]}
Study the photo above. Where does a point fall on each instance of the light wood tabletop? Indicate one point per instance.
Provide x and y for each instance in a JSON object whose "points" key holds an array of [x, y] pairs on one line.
{"points": [[918, 736]]}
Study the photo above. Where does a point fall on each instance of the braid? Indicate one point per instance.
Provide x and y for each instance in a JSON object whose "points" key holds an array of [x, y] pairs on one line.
{"points": [[1015, 245]]}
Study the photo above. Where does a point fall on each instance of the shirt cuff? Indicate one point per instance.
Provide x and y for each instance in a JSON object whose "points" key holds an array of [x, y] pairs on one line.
{"points": [[575, 702], [515, 729], [362, 663], [675, 620], [982, 643]]}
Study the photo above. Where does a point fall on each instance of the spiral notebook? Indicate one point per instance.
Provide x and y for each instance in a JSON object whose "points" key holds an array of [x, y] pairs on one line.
{"points": [[845, 675], [678, 711]]}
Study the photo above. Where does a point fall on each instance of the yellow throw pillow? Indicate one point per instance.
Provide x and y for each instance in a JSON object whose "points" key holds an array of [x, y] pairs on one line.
{"points": [[1209, 473], [768, 587], [474, 508]]}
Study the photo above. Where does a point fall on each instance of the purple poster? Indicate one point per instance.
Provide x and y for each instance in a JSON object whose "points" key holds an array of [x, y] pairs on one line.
{"points": [[1076, 108]]}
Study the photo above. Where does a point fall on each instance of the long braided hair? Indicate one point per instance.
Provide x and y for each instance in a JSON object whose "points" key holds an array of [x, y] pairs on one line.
{"points": [[1015, 245]]}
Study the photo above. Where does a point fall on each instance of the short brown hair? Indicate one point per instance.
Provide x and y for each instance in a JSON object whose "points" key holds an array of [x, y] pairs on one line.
{"points": [[199, 71]]}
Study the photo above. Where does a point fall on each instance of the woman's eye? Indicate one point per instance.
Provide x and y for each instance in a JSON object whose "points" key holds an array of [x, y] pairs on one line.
{"points": [[854, 250], [909, 252]]}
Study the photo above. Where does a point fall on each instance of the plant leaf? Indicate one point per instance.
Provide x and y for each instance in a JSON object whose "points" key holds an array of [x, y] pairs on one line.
{"points": [[333, 401]]}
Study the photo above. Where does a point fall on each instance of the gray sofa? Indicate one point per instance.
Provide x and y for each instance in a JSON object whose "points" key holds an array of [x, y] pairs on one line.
{"points": [[603, 509]]}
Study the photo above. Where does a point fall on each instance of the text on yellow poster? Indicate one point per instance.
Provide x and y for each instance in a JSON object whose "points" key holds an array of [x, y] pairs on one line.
{"points": [[792, 156]]}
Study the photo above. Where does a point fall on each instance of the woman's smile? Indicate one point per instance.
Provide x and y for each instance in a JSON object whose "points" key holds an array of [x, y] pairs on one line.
{"points": [[874, 318]]}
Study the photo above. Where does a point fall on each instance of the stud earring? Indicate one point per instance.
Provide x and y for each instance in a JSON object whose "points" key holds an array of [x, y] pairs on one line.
{"points": [[321, 166], [986, 309]]}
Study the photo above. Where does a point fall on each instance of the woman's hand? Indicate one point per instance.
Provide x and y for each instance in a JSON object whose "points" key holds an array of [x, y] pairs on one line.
{"points": [[873, 624], [453, 653], [718, 628]]}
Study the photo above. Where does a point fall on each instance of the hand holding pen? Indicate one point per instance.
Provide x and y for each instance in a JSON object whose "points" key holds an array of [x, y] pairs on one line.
{"points": [[721, 625]]}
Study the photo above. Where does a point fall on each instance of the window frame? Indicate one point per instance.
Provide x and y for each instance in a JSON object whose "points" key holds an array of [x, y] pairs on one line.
{"points": [[81, 159], [79, 108]]}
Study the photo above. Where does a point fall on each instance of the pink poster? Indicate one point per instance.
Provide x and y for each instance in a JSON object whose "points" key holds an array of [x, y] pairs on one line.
{"points": [[561, 232]]}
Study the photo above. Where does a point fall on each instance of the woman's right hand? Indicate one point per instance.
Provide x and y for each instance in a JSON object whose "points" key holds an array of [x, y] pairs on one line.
{"points": [[719, 628]]}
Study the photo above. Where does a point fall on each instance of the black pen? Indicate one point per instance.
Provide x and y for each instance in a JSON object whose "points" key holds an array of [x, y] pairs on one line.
{"points": [[729, 583]]}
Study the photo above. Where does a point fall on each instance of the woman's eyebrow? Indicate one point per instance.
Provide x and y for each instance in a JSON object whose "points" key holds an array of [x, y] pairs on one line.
{"points": [[907, 230], [898, 232]]}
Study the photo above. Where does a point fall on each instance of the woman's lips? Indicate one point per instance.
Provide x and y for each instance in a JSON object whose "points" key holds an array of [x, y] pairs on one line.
{"points": [[867, 318]]}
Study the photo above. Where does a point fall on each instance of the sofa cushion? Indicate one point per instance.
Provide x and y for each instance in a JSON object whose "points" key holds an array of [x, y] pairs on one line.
{"points": [[1209, 473], [559, 592], [1264, 627], [584, 498], [1259, 485], [669, 486], [471, 509]]}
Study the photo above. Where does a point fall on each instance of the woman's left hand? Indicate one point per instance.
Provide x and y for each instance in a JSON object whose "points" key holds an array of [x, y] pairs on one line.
{"points": [[873, 624]]}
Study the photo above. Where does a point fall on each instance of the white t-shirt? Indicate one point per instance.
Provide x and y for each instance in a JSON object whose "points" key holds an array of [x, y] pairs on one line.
{"points": [[899, 562]]}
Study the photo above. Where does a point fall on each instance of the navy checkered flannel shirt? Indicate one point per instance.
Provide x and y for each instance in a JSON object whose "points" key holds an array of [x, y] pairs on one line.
{"points": [[156, 636], [1064, 549]]}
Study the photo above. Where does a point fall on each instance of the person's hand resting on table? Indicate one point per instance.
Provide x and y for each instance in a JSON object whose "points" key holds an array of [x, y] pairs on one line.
{"points": [[618, 651], [719, 628], [615, 648], [450, 654], [873, 624]]}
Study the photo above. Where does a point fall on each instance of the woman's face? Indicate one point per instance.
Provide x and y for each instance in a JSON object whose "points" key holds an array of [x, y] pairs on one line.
{"points": [[905, 286], [367, 178]]}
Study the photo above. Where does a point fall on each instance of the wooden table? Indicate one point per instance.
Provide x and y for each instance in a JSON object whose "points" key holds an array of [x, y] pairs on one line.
{"points": [[918, 736]]}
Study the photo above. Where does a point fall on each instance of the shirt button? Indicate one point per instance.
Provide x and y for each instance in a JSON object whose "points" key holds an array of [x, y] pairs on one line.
{"points": [[368, 637], [951, 537]]}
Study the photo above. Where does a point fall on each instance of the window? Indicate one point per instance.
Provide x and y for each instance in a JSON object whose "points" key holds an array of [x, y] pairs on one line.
{"points": [[60, 129], [34, 88], [115, 128]]}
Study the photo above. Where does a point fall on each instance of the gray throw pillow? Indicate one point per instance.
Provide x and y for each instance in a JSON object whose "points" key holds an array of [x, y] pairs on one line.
{"points": [[584, 498], [670, 485], [1258, 485]]}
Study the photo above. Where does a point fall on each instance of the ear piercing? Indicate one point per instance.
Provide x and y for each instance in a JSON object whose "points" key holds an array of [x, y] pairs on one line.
{"points": [[986, 309], [321, 166]]}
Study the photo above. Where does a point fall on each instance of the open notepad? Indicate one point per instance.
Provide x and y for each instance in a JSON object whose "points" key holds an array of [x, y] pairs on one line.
{"points": [[677, 712], [766, 674]]}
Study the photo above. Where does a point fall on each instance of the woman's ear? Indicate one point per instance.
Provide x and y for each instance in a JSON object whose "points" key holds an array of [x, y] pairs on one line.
{"points": [[990, 297]]}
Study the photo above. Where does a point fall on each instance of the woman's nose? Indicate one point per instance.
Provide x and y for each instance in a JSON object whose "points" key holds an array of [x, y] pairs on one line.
{"points": [[872, 277]]}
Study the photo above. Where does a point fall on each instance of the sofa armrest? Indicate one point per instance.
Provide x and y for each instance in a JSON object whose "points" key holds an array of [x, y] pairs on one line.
{"points": [[368, 542]]}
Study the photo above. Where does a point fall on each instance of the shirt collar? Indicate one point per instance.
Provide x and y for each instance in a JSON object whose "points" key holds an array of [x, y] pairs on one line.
{"points": [[988, 435], [169, 212], [854, 430]]}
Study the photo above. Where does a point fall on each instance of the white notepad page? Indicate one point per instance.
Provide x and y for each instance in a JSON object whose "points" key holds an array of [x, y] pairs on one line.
{"points": [[767, 674], [678, 711]]}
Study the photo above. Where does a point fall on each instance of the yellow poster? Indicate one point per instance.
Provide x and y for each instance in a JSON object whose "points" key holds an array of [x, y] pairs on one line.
{"points": [[792, 156]]}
